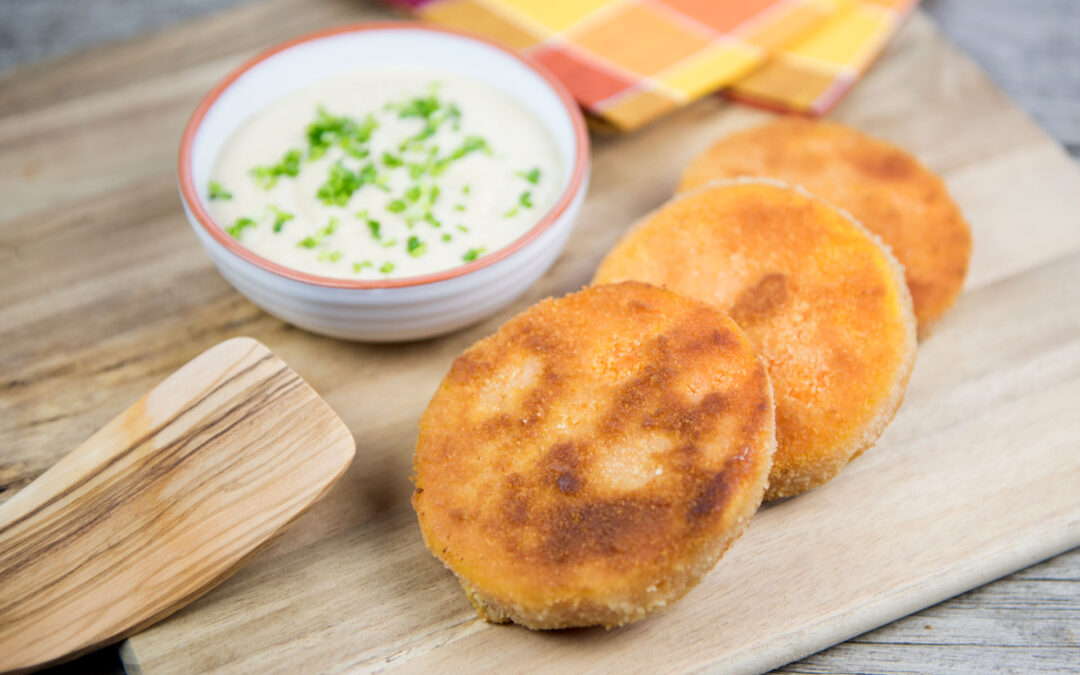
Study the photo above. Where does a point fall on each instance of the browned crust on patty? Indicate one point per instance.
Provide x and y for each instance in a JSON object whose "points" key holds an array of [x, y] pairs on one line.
{"points": [[590, 461], [821, 299], [885, 188]]}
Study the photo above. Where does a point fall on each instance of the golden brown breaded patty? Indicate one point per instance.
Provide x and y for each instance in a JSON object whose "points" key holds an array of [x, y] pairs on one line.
{"points": [[590, 461], [822, 301], [885, 188]]}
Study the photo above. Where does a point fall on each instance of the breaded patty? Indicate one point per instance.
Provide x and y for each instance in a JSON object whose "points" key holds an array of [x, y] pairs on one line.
{"points": [[823, 302], [590, 461], [885, 188]]}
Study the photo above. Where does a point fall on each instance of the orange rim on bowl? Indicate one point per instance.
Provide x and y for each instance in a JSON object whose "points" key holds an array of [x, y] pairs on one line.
{"points": [[191, 195]]}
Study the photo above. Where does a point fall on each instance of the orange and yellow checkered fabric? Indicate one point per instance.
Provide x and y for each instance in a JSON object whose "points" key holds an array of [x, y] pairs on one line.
{"points": [[811, 73], [630, 61]]}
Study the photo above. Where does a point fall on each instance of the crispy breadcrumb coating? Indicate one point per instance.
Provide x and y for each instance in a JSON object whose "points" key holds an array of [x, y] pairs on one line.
{"points": [[820, 298], [885, 188], [589, 462]]}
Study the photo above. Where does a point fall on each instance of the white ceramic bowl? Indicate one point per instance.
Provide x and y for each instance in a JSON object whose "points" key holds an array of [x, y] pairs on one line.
{"points": [[393, 309]]}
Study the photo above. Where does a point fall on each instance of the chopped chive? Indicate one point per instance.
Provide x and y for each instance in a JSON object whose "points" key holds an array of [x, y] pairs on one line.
{"points": [[280, 218], [396, 206], [526, 199], [459, 207], [413, 193], [340, 185], [374, 226], [218, 192], [345, 132], [316, 239], [471, 144], [462, 228], [239, 226], [422, 106], [446, 237], [533, 175], [332, 256], [433, 194], [473, 253], [432, 111], [267, 176], [391, 162], [359, 266], [389, 244], [511, 213], [431, 220], [465, 189], [415, 247], [439, 166], [387, 268], [368, 174]]}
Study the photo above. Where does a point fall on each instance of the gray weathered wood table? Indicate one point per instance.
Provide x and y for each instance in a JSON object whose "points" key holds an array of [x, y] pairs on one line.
{"points": [[1027, 622]]}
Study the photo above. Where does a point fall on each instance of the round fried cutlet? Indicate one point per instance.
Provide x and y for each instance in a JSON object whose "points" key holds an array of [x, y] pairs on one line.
{"points": [[823, 302], [590, 461], [885, 188]]}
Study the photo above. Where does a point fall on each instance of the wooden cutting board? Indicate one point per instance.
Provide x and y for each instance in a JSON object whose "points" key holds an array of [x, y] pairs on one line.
{"points": [[104, 290]]}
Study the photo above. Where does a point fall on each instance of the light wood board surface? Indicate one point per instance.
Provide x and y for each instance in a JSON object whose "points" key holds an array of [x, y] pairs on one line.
{"points": [[105, 292], [166, 500]]}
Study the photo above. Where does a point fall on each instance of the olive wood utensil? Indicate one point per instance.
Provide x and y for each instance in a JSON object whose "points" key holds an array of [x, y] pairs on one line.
{"points": [[164, 502]]}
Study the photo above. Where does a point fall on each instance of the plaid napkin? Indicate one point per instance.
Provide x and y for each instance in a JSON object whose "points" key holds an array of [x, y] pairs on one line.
{"points": [[811, 73], [630, 61]]}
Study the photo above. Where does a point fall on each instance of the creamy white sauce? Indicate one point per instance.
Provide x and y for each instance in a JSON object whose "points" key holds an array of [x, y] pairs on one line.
{"points": [[483, 198]]}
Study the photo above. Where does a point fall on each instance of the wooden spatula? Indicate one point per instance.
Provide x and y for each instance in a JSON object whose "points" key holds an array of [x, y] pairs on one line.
{"points": [[163, 503]]}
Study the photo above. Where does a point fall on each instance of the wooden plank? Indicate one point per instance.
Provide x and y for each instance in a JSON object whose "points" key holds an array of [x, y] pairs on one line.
{"points": [[164, 502], [911, 532], [71, 124], [106, 274], [1025, 624]]}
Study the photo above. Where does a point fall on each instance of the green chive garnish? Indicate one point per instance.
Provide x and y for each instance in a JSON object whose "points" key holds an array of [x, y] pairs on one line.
{"points": [[239, 226], [267, 176], [473, 253], [280, 218], [415, 247], [218, 192], [316, 239]]}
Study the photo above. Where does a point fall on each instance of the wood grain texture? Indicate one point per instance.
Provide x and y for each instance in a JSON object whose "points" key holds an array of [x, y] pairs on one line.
{"points": [[72, 299], [33, 31], [162, 503], [806, 573], [1027, 623]]}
